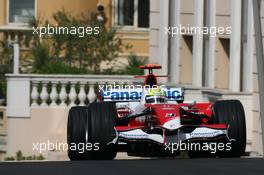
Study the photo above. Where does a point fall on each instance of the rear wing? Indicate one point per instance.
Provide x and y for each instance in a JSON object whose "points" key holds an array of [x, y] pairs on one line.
{"points": [[150, 67], [126, 95]]}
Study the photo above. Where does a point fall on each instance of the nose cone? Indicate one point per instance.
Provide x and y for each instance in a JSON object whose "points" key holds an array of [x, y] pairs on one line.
{"points": [[173, 124], [165, 113]]}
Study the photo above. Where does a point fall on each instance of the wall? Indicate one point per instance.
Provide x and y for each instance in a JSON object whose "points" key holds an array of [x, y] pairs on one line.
{"points": [[187, 12], [154, 31], [186, 60], [2, 14], [139, 39], [2, 11], [222, 13], [45, 124], [45, 9], [222, 64], [257, 133]]}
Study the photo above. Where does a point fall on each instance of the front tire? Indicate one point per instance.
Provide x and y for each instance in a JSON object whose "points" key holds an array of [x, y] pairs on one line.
{"points": [[231, 112], [93, 125]]}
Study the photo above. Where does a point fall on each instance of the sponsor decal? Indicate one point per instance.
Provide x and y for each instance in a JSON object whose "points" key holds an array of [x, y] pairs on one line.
{"points": [[122, 95], [206, 132], [136, 94], [139, 134], [173, 124]]}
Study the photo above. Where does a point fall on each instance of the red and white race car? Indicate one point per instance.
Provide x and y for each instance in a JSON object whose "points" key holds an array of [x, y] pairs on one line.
{"points": [[153, 120]]}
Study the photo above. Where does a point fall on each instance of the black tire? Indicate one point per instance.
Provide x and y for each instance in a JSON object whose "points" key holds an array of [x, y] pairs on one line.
{"points": [[92, 125], [231, 112]]}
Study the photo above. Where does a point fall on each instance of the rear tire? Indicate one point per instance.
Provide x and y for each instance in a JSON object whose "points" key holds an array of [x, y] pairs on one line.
{"points": [[92, 125], [231, 112]]}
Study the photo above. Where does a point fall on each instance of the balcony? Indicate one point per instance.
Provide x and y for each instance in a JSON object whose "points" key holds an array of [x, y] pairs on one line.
{"points": [[3, 132], [15, 34], [55, 90]]}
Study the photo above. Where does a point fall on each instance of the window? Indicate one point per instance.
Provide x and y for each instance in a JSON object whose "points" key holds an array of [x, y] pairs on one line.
{"points": [[133, 13], [21, 11]]}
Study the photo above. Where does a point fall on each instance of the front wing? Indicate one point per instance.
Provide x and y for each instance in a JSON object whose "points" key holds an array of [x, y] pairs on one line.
{"points": [[199, 133]]}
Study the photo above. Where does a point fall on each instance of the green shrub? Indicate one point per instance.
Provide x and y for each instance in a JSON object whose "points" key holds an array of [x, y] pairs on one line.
{"points": [[40, 157], [74, 54], [19, 157], [5, 66], [9, 158], [132, 68], [59, 67], [41, 57]]}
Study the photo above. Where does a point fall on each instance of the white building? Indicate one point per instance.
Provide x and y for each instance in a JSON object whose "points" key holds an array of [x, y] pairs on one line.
{"points": [[209, 67]]}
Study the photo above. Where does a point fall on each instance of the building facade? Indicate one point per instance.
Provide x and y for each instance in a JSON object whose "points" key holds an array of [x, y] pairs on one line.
{"points": [[125, 15], [29, 123], [210, 67]]}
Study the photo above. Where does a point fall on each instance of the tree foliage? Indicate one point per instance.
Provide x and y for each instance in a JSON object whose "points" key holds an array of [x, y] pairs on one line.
{"points": [[132, 68], [5, 66], [72, 52]]}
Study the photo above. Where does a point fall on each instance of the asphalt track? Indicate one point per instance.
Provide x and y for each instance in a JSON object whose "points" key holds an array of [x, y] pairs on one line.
{"points": [[252, 166]]}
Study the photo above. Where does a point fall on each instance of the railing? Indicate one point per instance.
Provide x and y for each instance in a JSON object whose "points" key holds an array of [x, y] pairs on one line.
{"points": [[27, 90], [3, 131], [3, 122], [15, 34], [69, 90]]}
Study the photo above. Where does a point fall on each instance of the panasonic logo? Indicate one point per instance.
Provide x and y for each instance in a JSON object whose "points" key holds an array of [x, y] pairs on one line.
{"points": [[126, 95], [116, 94]]}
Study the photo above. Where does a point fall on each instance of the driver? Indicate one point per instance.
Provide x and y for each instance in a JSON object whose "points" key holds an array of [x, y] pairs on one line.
{"points": [[155, 96]]}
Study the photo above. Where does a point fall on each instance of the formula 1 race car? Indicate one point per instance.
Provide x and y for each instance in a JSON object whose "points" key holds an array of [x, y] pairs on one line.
{"points": [[153, 120]]}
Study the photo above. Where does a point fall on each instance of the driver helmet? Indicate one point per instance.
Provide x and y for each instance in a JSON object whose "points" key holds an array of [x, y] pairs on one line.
{"points": [[155, 96]]}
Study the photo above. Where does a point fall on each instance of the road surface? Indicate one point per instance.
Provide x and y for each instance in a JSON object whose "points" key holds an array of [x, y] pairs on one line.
{"points": [[252, 166]]}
